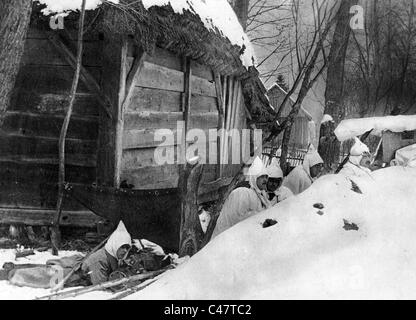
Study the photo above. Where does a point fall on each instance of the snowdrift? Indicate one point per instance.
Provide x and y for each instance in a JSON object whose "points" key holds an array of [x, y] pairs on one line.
{"points": [[312, 253], [351, 128]]}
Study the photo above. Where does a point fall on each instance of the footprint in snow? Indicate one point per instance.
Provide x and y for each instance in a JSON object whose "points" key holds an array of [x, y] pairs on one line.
{"points": [[268, 223], [319, 206], [355, 187], [350, 226]]}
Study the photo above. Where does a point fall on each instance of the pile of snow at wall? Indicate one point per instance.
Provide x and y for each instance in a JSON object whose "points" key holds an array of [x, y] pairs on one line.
{"points": [[215, 14], [350, 128], [312, 253]]}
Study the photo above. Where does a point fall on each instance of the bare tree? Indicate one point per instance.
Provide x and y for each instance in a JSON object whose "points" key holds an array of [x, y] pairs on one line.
{"points": [[384, 66], [329, 146], [241, 8], [14, 21], [307, 58], [55, 232]]}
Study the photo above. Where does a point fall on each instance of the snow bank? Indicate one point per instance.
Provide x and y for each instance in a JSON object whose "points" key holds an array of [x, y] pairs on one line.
{"points": [[355, 127], [308, 255], [213, 13]]}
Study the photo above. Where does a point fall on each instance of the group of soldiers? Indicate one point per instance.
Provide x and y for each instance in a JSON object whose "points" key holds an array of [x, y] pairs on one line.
{"points": [[268, 186]]}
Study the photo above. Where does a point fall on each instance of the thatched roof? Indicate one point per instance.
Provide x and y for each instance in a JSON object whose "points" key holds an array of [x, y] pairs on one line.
{"points": [[185, 35]]}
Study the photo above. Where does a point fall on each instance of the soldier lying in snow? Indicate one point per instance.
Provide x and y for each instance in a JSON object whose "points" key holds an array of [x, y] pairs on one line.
{"points": [[118, 258]]}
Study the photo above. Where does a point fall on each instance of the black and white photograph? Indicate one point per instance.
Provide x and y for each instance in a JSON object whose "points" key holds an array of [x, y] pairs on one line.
{"points": [[207, 150]]}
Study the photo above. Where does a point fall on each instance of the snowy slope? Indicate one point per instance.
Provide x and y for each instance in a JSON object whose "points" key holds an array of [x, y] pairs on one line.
{"points": [[215, 14], [307, 255]]}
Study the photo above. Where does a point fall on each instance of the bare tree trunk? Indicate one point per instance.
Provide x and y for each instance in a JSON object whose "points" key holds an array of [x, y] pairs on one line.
{"points": [[14, 22], [328, 146], [241, 9], [55, 232]]}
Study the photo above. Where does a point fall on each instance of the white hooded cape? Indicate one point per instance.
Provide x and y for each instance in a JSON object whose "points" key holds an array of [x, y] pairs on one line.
{"points": [[299, 179], [118, 238], [243, 202]]}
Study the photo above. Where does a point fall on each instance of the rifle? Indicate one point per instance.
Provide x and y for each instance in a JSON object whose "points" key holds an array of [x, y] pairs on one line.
{"points": [[75, 268]]}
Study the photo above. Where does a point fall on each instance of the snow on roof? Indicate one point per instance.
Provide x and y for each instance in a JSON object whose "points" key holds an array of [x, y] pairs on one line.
{"points": [[355, 127], [215, 14], [60, 6]]}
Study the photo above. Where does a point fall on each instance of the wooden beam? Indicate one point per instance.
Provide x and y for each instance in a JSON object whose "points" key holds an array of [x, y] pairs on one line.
{"points": [[85, 76], [220, 105], [225, 148], [126, 93], [114, 76], [186, 105], [119, 118], [39, 217], [225, 87], [133, 76], [188, 92]]}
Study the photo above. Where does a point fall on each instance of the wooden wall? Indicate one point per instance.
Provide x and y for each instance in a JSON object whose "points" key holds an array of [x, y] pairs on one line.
{"points": [[30, 132], [157, 103]]}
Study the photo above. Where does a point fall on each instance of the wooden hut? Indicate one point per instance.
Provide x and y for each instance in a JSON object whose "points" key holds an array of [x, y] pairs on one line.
{"points": [[142, 70]]}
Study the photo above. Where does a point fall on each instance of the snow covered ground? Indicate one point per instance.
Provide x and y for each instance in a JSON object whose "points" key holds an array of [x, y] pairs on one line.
{"points": [[11, 292], [309, 254]]}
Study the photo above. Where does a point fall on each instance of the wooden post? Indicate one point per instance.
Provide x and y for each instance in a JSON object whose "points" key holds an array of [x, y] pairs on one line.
{"points": [[119, 121], [113, 83], [225, 154], [186, 107], [191, 234], [127, 84], [220, 107]]}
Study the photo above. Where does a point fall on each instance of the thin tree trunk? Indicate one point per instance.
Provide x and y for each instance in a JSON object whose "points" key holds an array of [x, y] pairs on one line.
{"points": [[328, 146], [55, 232], [14, 22], [241, 10]]}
